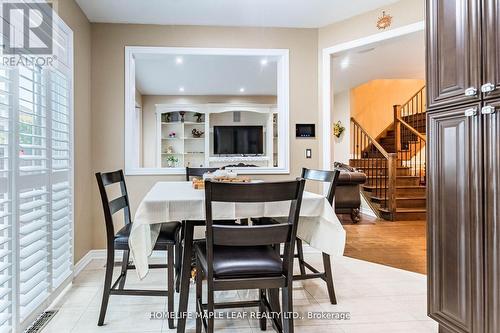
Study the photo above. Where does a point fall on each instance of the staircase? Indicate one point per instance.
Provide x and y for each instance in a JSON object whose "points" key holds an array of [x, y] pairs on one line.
{"points": [[394, 162]]}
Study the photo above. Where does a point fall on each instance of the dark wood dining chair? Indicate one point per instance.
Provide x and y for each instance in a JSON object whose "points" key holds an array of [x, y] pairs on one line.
{"points": [[167, 240], [198, 172], [238, 257], [326, 176], [330, 177]]}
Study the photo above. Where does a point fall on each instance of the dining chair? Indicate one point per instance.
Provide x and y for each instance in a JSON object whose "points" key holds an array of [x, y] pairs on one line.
{"points": [[326, 176], [198, 172], [330, 177], [167, 240], [235, 257]]}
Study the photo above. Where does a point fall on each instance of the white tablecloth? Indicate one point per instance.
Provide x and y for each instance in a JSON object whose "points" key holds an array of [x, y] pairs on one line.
{"points": [[177, 201]]}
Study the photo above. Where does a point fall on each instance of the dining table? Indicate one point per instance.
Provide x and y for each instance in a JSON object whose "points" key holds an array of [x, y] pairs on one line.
{"points": [[180, 201]]}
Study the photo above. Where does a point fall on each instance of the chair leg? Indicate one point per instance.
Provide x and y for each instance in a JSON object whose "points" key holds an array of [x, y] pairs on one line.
{"points": [[262, 310], [126, 256], [287, 308], [300, 252], [329, 278], [107, 285], [210, 308], [170, 286], [199, 296], [178, 265]]}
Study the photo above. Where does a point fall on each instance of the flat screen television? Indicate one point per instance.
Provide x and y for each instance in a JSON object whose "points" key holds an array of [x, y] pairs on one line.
{"points": [[244, 140]]}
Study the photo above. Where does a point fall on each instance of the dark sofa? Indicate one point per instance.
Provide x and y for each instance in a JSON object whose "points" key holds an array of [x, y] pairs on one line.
{"points": [[347, 193]]}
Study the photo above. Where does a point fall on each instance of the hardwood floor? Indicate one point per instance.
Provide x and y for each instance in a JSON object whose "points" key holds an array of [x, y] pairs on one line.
{"points": [[400, 244]]}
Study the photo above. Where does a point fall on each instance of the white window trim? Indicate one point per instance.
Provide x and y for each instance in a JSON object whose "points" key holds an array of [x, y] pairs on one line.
{"points": [[131, 161]]}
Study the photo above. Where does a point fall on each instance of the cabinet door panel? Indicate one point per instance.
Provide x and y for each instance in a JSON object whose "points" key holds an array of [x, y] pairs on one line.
{"points": [[491, 46], [492, 231], [454, 218], [453, 52]]}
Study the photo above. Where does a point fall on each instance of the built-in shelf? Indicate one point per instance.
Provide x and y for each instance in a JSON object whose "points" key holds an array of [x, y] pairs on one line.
{"points": [[198, 149]]}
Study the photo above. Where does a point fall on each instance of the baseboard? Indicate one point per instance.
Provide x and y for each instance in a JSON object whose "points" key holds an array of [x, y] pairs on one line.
{"points": [[82, 263], [367, 211]]}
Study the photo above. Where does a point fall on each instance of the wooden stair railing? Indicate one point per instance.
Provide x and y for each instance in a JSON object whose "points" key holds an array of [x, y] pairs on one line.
{"points": [[377, 163], [409, 123]]}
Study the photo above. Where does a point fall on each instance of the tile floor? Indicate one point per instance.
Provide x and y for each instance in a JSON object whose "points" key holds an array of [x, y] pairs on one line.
{"points": [[378, 298]]}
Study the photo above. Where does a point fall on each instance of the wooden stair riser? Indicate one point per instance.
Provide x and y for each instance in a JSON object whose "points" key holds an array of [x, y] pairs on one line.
{"points": [[400, 181], [405, 216], [367, 163], [404, 203], [400, 191], [400, 171]]}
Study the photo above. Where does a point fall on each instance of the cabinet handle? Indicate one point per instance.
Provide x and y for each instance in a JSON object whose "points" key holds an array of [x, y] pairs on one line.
{"points": [[470, 112], [488, 110], [488, 87], [470, 92]]}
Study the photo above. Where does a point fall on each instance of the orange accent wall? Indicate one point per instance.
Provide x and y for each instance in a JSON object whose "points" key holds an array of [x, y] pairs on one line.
{"points": [[372, 102]]}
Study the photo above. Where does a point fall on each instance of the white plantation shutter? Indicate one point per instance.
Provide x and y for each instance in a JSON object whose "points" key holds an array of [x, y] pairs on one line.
{"points": [[36, 184], [33, 189], [62, 259], [6, 221]]}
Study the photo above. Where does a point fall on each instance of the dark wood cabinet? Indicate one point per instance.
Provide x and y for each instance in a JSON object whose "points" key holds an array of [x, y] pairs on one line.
{"points": [[454, 206], [491, 48], [492, 213], [453, 52], [463, 161]]}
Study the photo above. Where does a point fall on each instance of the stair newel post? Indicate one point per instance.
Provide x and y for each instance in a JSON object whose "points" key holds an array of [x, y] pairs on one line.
{"points": [[392, 163], [397, 128]]}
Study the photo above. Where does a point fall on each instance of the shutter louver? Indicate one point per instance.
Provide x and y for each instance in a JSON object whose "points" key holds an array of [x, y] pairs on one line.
{"points": [[61, 185], [6, 221], [33, 187]]}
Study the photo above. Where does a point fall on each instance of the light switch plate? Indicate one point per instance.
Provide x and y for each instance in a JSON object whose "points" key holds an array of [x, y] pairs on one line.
{"points": [[308, 153]]}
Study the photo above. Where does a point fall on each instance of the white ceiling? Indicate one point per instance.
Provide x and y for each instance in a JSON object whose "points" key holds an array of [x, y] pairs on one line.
{"points": [[398, 58], [255, 13], [205, 75]]}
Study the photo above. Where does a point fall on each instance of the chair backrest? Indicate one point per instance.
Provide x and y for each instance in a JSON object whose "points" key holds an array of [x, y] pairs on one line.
{"points": [[111, 207], [254, 235], [197, 172], [325, 176]]}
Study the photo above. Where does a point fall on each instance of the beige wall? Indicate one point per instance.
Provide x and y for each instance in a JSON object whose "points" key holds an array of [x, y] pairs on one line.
{"points": [[149, 116], [372, 102], [69, 11], [404, 12], [108, 42], [341, 111], [99, 136]]}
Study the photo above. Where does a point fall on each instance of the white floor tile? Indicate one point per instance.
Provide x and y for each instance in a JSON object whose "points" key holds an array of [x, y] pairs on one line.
{"points": [[378, 299]]}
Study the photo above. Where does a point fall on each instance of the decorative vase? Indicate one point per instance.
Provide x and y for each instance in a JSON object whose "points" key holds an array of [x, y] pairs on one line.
{"points": [[182, 113]]}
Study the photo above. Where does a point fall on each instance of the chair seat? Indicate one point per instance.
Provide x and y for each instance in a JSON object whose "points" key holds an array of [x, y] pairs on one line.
{"points": [[232, 262], [167, 237]]}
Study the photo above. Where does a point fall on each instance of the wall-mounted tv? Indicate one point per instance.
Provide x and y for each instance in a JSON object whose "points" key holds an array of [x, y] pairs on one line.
{"points": [[244, 140]]}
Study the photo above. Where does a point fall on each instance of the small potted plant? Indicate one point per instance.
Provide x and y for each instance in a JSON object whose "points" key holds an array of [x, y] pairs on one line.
{"points": [[197, 133], [171, 135], [338, 129], [171, 161], [198, 117]]}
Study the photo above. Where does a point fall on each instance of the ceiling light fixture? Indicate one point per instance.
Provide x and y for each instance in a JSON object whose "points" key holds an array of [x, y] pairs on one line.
{"points": [[264, 62], [179, 60], [242, 90], [345, 63], [181, 89]]}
